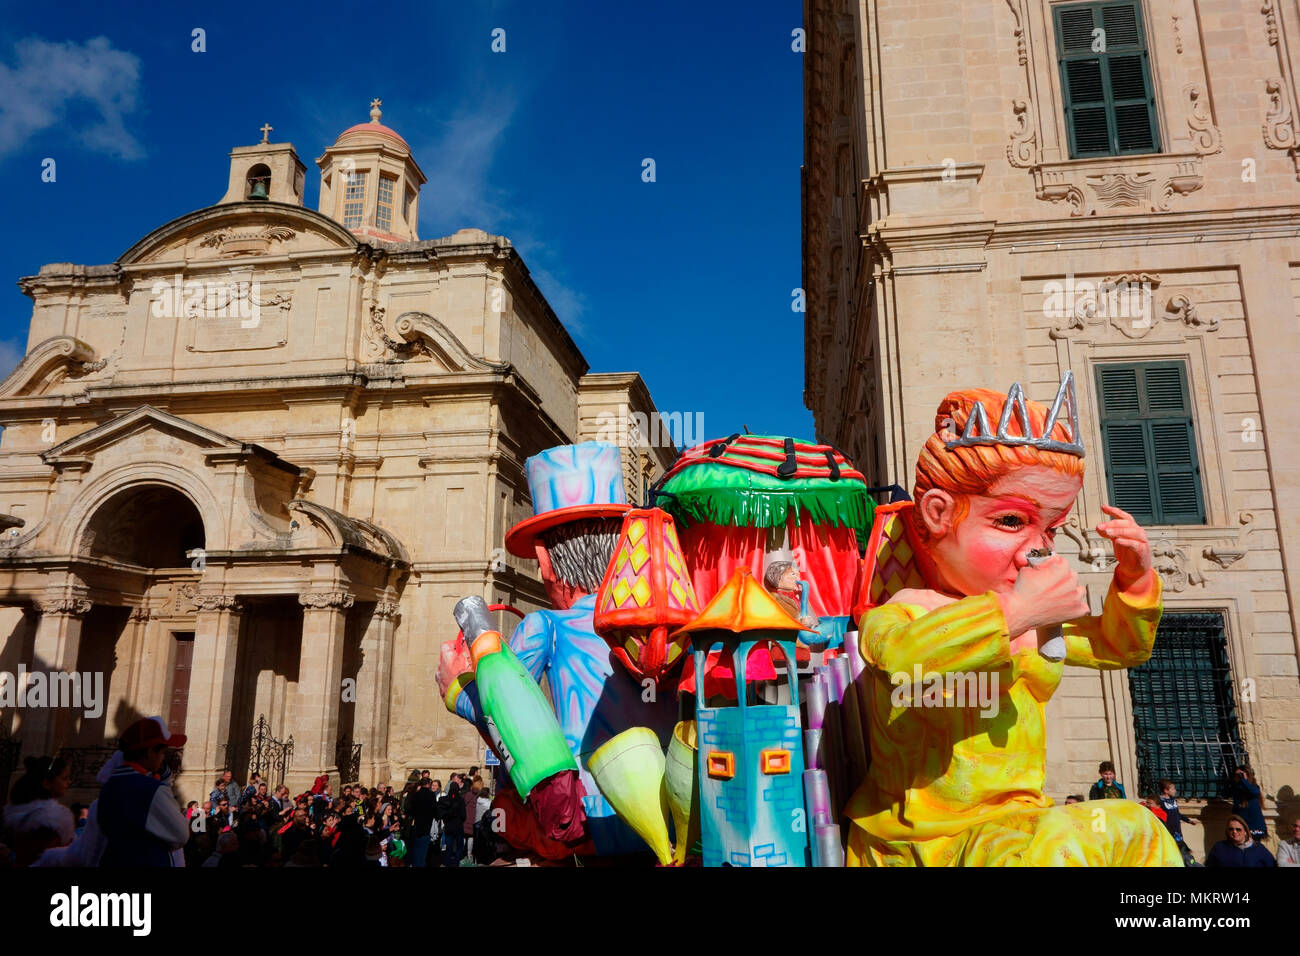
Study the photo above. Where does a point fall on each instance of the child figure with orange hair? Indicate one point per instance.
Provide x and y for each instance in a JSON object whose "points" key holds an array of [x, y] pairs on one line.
{"points": [[963, 785]]}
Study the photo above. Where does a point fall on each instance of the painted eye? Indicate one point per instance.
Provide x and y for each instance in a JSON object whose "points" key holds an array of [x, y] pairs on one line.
{"points": [[1013, 522]]}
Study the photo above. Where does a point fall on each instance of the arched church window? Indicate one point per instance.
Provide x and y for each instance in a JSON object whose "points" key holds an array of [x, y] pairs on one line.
{"points": [[258, 182], [384, 210], [354, 195]]}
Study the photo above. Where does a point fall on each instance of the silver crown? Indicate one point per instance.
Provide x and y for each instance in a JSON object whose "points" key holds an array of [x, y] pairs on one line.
{"points": [[977, 431]]}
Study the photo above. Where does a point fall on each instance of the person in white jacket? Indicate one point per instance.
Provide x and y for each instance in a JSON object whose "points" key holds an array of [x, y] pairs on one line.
{"points": [[141, 814], [35, 819]]}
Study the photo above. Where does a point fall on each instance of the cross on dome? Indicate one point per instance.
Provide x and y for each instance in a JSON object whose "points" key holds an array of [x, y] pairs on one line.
{"points": [[375, 112]]}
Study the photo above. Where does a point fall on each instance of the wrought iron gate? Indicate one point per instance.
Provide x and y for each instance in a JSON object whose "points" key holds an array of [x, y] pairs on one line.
{"points": [[347, 756], [264, 754]]}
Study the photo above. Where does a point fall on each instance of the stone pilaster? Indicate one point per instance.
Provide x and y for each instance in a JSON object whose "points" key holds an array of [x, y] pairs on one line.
{"points": [[57, 644], [212, 690], [374, 692], [314, 711]]}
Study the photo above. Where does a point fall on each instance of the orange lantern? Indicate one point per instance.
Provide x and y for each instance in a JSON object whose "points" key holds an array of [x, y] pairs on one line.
{"points": [[646, 594]]}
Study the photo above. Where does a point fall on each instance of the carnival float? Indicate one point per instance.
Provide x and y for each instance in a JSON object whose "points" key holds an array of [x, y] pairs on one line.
{"points": [[775, 664]]}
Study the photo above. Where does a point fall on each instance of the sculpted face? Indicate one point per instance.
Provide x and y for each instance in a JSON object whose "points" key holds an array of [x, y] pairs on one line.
{"points": [[987, 548]]}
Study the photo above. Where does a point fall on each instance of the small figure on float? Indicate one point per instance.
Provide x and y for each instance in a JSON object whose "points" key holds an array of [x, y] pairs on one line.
{"points": [[752, 500], [579, 504], [782, 581], [949, 785]]}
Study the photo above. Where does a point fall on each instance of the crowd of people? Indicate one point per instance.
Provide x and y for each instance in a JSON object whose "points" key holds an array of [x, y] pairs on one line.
{"points": [[424, 825], [136, 820], [1245, 832]]}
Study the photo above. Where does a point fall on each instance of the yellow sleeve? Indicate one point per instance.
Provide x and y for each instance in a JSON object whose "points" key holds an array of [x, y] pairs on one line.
{"points": [[967, 635], [1124, 633]]}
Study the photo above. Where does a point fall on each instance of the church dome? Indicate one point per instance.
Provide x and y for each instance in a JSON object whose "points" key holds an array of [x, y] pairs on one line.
{"points": [[372, 132], [371, 183], [366, 133]]}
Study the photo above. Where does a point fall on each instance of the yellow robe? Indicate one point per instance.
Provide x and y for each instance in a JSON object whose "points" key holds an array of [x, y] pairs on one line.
{"points": [[950, 787]]}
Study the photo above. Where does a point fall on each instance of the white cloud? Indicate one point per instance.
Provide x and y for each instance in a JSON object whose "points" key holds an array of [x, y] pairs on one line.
{"points": [[569, 304], [458, 161], [50, 78], [461, 194]]}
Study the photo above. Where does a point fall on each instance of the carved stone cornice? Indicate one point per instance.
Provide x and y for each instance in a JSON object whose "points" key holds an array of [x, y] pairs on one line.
{"points": [[1147, 182], [1231, 549], [1179, 555], [143, 615], [64, 606], [242, 242], [318, 600], [1205, 136], [1091, 310], [388, 610], [1180, 308], [75, 356], [426, 335], [1022, 151], [1178, 568], [1280, 120], [218, 602]]}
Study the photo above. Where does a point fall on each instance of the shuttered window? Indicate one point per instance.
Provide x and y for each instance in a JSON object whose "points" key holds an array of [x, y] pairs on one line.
{"points": [[1106, 79], [1185, 709], [1149, 442]]}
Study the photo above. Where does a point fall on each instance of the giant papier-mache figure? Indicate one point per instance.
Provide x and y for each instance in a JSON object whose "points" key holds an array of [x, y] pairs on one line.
{"points": [[957, 589], [952, 785], [579, 503]]}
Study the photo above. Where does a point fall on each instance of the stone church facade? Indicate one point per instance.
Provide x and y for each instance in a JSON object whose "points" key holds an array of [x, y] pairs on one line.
{"points": [[1001, 191], [248, 468]]}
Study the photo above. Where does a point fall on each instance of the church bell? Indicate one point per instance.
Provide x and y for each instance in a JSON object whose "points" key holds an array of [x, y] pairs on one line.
{"points": [[259, 190]]}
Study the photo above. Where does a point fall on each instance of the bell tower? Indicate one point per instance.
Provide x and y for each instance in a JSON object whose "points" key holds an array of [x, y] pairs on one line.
{"points": [[370, 183], [267, 171]]}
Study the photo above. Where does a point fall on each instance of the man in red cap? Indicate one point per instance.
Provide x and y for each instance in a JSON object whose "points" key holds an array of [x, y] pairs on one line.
{"points": [[137, 811]]}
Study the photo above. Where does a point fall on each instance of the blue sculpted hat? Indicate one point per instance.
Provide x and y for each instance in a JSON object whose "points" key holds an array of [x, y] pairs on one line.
{"points": [[570, 483]]}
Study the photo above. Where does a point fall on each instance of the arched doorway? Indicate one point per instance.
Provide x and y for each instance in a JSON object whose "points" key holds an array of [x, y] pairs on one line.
{"points": [[151, 526], [143, 540]]}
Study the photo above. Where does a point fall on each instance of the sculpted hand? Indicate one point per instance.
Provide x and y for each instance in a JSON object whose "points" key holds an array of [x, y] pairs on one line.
{"points": [[453, 660], [1048, 594], [1132, 550]]}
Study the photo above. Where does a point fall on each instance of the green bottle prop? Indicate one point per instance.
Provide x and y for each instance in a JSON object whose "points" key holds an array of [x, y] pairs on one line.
{"points": [[519, 718]]}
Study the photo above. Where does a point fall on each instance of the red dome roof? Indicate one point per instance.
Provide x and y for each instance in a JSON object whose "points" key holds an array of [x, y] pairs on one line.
{"points": [[379, 128]]}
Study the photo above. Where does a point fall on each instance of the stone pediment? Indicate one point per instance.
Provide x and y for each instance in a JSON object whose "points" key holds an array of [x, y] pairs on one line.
{"points": [[240, 230], [421, 335], [212, 445], [49, 363], [334, 529]]}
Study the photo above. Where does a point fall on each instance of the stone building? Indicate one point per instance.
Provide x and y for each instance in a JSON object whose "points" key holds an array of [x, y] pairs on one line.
{"points": [[248, 467], [1000, 190]]}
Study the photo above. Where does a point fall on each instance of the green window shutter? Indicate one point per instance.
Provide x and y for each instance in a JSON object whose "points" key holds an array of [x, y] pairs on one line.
{"points": [[1149, 442], [1109, 104]]}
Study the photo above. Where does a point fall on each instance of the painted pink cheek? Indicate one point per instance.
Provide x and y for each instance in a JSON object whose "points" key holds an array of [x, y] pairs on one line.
{"points": [[992, 558]]}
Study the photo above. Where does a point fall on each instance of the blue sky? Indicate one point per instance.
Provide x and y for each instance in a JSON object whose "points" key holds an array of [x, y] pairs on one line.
{"points": [[687, 279]]}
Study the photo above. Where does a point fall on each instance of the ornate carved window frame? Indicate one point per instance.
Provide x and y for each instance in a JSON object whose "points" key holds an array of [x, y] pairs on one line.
{"points": [[1142, 183]]}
